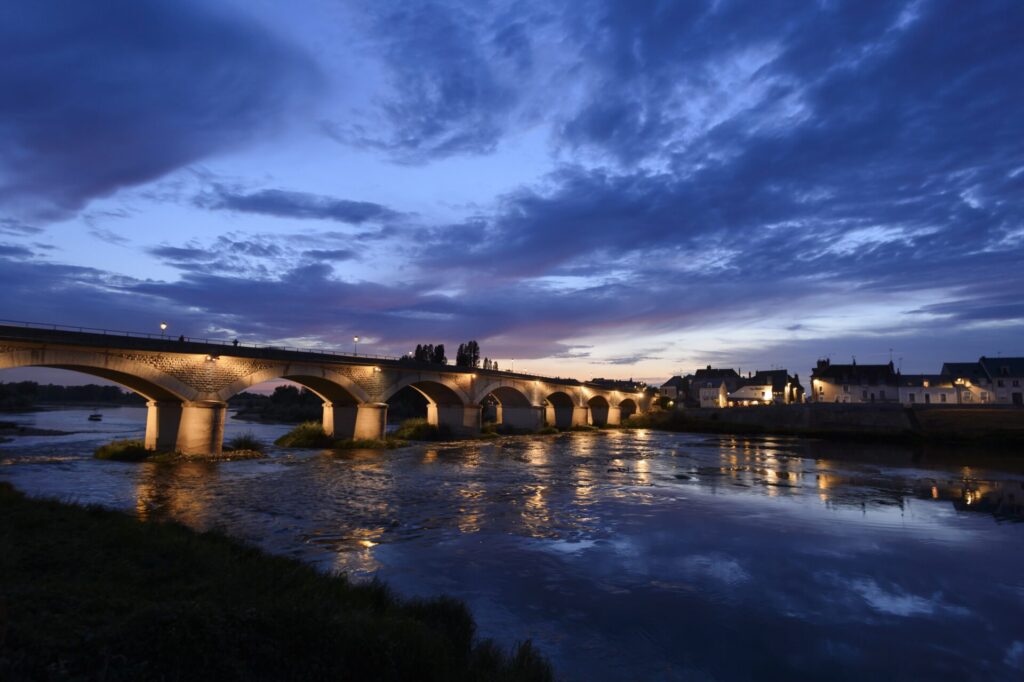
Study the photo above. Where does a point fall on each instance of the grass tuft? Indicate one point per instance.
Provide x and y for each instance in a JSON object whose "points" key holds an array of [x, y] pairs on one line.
{"points": [[421, 429], [245, 441], [306, 435], [123, 451], [549, 431]]}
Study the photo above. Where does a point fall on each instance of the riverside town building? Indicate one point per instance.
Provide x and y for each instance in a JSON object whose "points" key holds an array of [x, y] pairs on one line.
{"points": [[995, 381]]}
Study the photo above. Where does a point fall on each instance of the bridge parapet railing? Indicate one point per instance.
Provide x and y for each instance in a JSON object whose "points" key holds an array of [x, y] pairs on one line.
{"points": [[118, 333], [190, 339]]}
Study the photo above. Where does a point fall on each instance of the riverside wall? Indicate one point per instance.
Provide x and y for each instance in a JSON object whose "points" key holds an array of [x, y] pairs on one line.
{"points": [[859, 419]]}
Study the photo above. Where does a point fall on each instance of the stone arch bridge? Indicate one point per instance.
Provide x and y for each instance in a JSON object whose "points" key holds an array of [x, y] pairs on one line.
{"points": [[187, 385]]}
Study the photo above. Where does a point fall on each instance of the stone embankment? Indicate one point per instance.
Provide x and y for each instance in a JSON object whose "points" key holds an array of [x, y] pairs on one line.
{"points": [[982, 422]]}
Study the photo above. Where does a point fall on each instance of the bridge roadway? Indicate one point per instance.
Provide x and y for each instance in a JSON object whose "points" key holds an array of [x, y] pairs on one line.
{"points": [[187, 385]]}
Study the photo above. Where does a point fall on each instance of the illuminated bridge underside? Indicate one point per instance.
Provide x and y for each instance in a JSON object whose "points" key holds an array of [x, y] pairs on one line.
{"points": [[187, 386]]}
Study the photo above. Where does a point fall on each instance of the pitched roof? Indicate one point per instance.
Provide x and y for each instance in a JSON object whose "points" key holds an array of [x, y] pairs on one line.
{"points": [[856, 374], [709, 373], [1003, 367], [964, 370], [778, 378], [933, 380], [676, 381]]}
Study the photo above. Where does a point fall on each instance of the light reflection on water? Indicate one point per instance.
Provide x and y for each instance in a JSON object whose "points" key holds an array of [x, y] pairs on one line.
{"points": [[629, 555]]}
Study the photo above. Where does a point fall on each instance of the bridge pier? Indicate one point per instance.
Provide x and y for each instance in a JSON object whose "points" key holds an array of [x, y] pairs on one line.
{"points": [[566, 417], [529, 418], [361, 422], [163, 419], [461, 419], [580, 416], [201, 430], [614, 416]]}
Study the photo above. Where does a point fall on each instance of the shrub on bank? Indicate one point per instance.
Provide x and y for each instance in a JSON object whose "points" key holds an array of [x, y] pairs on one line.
{"points": [[306, 435], [548, 431], [129, 450], [123, 599], [421, 429], [245, 441]]}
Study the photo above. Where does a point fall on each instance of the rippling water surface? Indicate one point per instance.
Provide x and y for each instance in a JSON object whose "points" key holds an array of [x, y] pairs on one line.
{"points": [[626, 555]]}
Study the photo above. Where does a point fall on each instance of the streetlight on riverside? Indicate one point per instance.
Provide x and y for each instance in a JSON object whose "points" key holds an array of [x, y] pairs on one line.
{"points": [[355, 345], [163, 329]]}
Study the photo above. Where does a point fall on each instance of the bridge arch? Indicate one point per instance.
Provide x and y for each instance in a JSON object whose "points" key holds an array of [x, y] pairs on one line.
{"points": [[627, 408], [599, 410], [515, 411], [448, 405], [437, 390], [505, 394], [560, 409], [136, 376], [332, 387]]}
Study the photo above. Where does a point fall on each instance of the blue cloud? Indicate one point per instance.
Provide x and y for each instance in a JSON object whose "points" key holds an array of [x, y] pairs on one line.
{"points": [[102, 95], [302, 205]]}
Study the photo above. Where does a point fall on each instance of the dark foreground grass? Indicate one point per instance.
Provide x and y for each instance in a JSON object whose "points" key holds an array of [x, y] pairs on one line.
{"points": [[89, 593]]}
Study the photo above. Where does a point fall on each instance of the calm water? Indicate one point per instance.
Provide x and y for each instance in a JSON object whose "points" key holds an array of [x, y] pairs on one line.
{"points": [[627, 556]]}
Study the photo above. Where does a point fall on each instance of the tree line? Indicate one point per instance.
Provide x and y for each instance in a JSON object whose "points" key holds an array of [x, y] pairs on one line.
{"points": [[23, 395], [467, 355]]}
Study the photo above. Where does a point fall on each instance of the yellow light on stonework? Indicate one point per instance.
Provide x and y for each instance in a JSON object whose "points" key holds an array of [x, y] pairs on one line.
{"points": [[377, 369]]}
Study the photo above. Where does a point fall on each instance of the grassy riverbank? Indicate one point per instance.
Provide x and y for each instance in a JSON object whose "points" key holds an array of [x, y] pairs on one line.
{"points": [[89, 593]]}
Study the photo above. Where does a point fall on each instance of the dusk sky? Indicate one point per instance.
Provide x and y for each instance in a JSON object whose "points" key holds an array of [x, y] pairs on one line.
{"points": [[617, 189]]}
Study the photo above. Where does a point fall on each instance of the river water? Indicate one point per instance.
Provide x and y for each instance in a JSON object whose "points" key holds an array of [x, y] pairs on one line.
{"points": [[625, 555]]}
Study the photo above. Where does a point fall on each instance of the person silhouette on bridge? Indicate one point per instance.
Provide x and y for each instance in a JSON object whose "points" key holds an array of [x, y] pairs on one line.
{"points": [[235, 343], [181, 339]]}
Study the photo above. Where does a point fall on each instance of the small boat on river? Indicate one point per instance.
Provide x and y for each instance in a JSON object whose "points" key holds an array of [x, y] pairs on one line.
{"points": [[96, 417]]}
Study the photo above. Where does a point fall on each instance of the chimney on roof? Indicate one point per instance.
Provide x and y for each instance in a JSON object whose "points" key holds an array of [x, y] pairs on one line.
{"points": [[709, 366]]}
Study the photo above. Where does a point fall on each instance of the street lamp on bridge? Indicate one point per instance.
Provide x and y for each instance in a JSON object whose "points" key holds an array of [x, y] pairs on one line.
{"points": [[163, 329], [355, 345]]}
